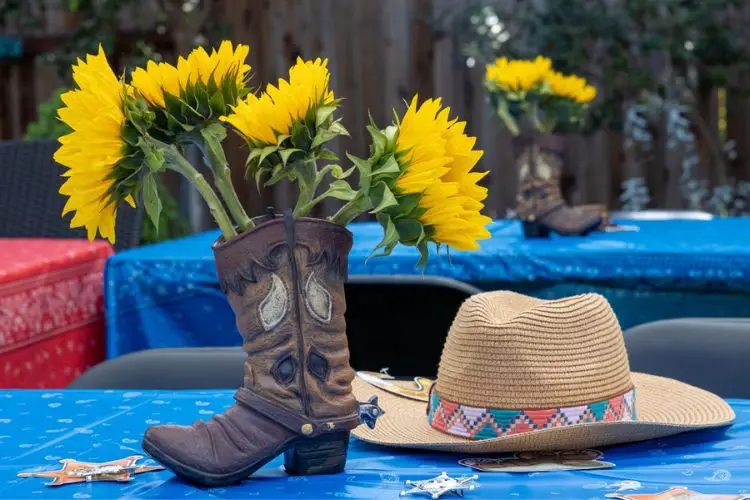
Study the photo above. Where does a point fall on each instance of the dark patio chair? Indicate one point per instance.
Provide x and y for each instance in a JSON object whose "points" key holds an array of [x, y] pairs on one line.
{"points": [[710, 353], [399, 322], [168, 369], [30, 205]]}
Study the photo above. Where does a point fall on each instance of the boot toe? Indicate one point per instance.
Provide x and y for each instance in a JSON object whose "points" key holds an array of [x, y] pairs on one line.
{"points": [[176, 443]]}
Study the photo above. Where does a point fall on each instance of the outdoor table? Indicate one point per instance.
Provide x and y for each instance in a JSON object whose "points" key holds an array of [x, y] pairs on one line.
{"points": [[51, 310], [167, 295], [39, 428]]}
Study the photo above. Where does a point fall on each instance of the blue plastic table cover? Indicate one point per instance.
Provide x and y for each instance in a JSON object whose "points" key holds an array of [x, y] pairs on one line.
{"points": [[39, 428], [167, 295]]}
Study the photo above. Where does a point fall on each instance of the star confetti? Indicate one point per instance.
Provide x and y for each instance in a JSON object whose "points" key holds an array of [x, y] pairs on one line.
{"points": [[677, 493], [74, 471], [440, 485]]}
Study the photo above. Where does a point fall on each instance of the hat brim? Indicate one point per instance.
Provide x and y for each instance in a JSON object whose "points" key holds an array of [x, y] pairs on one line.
{"points": [[663, 407]]}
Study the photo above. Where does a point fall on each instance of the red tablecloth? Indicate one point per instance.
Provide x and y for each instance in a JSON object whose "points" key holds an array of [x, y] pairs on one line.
{"points": [[51, 310]]}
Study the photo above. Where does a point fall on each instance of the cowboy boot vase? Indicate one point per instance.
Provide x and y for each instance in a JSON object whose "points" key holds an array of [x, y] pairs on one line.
{"points": [[284, 280], [539, 203]]}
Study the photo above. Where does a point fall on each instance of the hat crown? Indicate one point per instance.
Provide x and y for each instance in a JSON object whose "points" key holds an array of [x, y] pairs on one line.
{"points": [[506, 350]]}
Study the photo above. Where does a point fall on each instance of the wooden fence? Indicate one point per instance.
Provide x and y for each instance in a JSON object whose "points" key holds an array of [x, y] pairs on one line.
{"points": [[381, 53]]}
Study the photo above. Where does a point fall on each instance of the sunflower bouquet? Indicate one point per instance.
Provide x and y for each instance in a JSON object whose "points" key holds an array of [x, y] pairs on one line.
{"points": [[418, 180], [531, 91]]}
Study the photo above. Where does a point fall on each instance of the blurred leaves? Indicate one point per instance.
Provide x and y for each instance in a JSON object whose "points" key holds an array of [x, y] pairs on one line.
{"points": [[626, 47]]}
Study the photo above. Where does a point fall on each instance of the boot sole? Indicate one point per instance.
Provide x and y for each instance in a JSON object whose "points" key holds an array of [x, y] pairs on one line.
{"points": [[303, 456]]}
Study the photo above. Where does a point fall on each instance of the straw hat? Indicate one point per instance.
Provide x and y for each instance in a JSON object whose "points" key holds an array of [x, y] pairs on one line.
{"points": [[519, 373]]}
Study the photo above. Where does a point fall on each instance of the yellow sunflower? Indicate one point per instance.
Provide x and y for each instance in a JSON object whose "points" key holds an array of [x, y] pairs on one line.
{"points": [[571, 87], [223, 72], [437, 160], [96, 179], [266, 118], [517, 75]]}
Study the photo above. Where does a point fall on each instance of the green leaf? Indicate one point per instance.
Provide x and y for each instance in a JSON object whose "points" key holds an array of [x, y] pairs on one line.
{"points": [[338, 129], [365, 172], [336, 172], [216, 130], [265, 152], [212, 137], [300, 136], [390, 235], [327, 154], [322, 137], [407, 203], [217, 104], [424, 254], [285, 153], [341, 190], [379, 140], [389, 169], [391, 134], [382, 197], [322, 114], [278, 173], [151, 199], [152, 155], [411, 231], [259, 176]]}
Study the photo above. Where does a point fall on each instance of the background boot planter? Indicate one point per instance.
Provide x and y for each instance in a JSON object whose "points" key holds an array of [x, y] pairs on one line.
{"points": [[285, 282], [540, 204]]}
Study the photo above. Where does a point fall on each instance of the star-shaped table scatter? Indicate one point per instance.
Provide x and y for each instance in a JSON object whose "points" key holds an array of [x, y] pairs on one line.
{"points": [[677, 493], [440, 485], [74, 471]]}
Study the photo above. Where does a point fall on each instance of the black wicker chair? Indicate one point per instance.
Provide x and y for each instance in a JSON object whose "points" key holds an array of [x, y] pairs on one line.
{"points": [[30, 205]]}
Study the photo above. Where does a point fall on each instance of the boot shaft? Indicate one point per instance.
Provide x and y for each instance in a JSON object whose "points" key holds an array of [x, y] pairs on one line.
{"points": [[284, 280], [539, 162]]}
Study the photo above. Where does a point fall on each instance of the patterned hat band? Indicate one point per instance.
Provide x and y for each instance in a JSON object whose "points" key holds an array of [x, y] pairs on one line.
{"points": [[488, 423]]}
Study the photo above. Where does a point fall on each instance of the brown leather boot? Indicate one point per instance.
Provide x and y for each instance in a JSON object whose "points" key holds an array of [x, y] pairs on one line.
{"points": [[284, 281], [540, 204]]}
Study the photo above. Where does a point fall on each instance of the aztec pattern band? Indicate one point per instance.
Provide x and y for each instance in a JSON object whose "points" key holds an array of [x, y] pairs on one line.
{"points": [[489, 423]]}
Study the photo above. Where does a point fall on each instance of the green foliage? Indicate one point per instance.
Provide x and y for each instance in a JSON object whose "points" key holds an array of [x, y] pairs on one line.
{"points": [[619, 46], [398, 213], [47, 125], [296, 158], [171, 223]]}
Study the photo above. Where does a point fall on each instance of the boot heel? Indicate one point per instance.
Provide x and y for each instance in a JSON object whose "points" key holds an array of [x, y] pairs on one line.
{"points": [[325, 454], [535, 230]]}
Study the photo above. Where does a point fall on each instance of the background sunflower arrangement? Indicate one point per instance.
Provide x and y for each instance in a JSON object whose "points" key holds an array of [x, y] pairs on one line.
{"points": [[419, 179], [532, 91]]}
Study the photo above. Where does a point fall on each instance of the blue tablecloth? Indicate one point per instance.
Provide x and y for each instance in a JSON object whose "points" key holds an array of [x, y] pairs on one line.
{"points": [[167, 294], [39, 428]]}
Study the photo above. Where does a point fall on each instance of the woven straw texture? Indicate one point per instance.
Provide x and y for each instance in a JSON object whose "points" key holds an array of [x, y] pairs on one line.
{"points": [[510, 351], [507, 350]]}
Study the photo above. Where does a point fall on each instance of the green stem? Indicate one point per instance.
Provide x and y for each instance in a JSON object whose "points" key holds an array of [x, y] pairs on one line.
{"points": [[534, 114], [223, 181], [350, 210], [504, 113], [308, 185], [178, 163], [303, 210]]}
